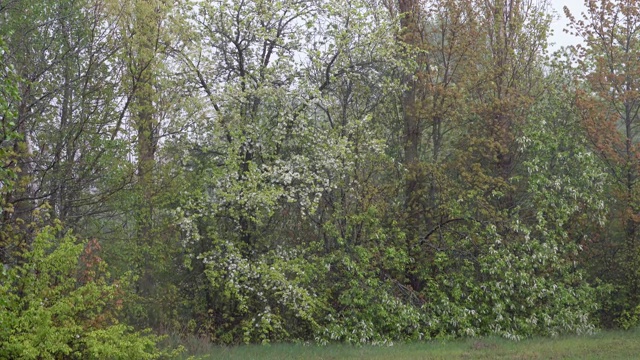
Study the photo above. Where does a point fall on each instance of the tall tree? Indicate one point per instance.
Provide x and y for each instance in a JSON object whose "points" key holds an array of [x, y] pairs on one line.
{"points": [[145, 32], [144, 46], [70, 106], [608, 101], [440, 40], [411, 37], [62, 52], [9, 249]]}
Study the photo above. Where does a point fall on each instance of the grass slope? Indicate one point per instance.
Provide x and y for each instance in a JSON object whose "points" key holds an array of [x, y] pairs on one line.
{"points": [[605, 345]]}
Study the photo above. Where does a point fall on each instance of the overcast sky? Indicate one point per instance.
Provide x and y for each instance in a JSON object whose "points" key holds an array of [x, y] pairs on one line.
{"points": [[559, 37]]}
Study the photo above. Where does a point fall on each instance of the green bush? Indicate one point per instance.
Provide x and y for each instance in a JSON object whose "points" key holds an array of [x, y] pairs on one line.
{"points": [[59, 303], [267, 299], [365, 308]]}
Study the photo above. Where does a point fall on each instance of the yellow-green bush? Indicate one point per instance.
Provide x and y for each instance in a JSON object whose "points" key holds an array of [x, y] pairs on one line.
{"points": [[60, 303]]}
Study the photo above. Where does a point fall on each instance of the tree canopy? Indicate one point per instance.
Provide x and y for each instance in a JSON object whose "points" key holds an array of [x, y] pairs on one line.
{"points": [[359, 171]]}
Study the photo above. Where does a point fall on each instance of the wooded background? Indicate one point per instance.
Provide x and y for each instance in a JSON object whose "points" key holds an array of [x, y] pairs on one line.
{"points": [[362, 171]]}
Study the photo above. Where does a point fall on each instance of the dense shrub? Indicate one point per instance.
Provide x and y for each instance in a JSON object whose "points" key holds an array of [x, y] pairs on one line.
{"points": [[59, 302]]}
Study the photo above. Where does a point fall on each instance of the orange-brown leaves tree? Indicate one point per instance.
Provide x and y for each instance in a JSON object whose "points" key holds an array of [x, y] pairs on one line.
{"points": [[610, 111], [438, 39], [474, 71], [509, 79]]}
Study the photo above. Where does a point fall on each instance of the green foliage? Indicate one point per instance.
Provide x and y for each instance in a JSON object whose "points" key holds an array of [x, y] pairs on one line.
{"points": [[9, 96], [609, 116], [356, 171], [629, 319], [60, 303], [516, 274], [515, 290], [268, 299], [365, 308]]}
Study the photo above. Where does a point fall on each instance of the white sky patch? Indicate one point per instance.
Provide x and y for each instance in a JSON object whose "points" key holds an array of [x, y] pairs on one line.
{"points": [[559, 37]]}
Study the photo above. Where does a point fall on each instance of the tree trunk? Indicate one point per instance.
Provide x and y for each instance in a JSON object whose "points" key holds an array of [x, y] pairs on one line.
{"points": [[410, 37]]}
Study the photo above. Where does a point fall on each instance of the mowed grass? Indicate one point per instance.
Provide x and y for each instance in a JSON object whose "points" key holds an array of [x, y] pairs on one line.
{"points": [[604, 345]]}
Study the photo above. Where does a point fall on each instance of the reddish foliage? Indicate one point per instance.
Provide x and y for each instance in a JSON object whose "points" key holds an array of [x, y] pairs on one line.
{"points": [[90, 262]]}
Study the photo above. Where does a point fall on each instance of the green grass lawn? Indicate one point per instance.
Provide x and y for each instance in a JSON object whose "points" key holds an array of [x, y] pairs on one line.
{"points": [[605, 345]]}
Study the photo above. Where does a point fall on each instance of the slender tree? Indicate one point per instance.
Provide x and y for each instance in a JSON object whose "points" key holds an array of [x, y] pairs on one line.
{"points": [[609, 106]]}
